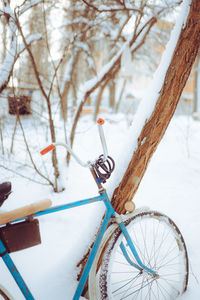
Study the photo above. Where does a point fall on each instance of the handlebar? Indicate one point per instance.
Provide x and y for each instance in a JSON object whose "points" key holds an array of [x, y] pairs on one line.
{"points": [[100, 122]]}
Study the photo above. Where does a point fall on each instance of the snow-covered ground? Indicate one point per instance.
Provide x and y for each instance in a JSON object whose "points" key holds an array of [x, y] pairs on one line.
{"points": [[170, 185]]}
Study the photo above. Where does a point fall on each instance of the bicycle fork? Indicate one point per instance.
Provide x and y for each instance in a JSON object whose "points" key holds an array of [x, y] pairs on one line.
{"points": [[140, 266], [118, 219]]}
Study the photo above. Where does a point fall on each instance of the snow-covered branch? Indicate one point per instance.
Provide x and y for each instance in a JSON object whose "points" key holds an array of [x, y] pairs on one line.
{"points": [[14, 49], [27, 5], [11, 57], [114, 8], [91, 84], [110, 70]]}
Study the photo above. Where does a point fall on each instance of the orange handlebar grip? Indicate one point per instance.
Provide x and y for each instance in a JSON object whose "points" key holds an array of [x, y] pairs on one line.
{"points": [[47, 149], [100, 121]]}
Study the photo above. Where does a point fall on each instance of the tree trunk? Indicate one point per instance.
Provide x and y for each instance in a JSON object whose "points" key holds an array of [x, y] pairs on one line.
{"points": [[175, 79], [120, 96], [98, 100], [112, 86], [196, 75], [155, 126]]}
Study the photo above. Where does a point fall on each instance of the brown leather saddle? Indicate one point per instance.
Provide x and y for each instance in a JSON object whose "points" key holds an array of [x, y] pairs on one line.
{"points": [[5, 190]]}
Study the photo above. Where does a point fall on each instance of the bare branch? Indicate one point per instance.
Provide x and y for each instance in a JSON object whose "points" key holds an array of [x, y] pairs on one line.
{"points": [[26, 6], [113, 9], [30, 155], [21, 175], [47, 99], [11, 58], [110, 70]]}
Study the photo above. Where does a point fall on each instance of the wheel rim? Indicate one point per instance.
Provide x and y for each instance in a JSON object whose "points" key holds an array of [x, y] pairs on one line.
{"points": [[4, 293], [160, 247]]}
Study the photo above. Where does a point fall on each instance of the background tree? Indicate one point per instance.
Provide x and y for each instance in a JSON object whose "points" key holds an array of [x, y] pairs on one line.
{"points": [[17, 31], [146, 16], [78, 58], [13, 48]]}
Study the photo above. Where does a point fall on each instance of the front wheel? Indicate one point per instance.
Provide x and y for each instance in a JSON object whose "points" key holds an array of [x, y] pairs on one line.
{"points": [[4, 295], [160, 247]]}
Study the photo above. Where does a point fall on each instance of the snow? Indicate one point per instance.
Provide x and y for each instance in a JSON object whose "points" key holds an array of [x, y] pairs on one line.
{"points": [[198, 87], [15, 50], [91, 83], [82, 46], [8, 64], [126, 63], [68, 70], [170, 185], [28, 5]]}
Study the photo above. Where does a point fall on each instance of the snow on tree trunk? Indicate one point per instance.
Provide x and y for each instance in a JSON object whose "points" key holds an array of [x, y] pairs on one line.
{"points": [[198, 83], [196, 87], [155, 114]]}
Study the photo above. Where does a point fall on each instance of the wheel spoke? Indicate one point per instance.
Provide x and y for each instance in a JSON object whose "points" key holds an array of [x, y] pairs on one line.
{"points": [[160, 246]]}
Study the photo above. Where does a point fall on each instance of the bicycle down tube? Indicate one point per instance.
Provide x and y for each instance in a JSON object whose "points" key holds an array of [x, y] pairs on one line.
{"points": [[9, 262]]}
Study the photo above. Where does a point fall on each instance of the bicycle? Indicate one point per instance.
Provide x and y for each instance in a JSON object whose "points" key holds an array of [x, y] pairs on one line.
{"points": [[145, 256]]}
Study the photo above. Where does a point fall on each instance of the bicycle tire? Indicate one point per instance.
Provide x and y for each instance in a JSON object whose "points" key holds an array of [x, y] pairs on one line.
{"points": [[160, 246], [4, 295]]}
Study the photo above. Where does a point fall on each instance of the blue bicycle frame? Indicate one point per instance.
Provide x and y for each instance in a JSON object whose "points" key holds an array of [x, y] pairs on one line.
{"points": [[110, 212]]}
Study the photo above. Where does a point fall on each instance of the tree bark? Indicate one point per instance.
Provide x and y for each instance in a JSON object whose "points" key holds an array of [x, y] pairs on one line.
{"points": [[176, 77], [112, 94]]}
